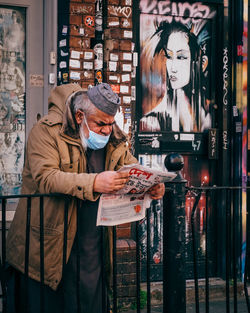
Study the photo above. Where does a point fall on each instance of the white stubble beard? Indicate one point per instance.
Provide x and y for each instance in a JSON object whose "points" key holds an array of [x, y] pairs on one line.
{"points": [[82, 136]]}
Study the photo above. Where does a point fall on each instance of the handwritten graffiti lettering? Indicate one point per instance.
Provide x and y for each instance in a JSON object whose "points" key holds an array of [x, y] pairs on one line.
{"points": [[225, 76], [81, 9], [182, 12], [119, 11], [213, 143], [225, 140], [136, 172], [213, 139]]}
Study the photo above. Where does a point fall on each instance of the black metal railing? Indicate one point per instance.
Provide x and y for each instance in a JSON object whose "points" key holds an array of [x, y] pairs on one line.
{"points": [[174, 248], [225, 196]]}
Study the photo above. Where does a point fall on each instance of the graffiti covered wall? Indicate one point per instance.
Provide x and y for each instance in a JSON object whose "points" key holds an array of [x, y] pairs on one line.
{"points": [[12, 98]]}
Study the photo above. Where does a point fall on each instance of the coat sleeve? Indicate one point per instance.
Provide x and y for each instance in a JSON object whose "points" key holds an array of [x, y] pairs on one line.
{"points": [[45, 165]]}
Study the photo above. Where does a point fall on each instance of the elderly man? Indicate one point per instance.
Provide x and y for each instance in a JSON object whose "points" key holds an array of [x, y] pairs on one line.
{"points": [[75, 150]]}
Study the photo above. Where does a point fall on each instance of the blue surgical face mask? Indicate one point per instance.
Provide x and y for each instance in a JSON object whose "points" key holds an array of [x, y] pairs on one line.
{"points": [[95, 141]]}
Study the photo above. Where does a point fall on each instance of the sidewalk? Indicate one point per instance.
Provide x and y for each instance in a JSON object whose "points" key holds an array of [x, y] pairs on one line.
{"points": [[214, 307], [217, 297]]}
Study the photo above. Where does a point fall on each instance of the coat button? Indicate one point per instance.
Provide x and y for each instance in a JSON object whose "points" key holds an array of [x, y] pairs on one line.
{"points": [[79, 188]]}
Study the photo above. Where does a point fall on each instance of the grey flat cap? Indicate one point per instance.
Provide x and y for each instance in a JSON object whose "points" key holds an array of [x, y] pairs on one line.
{"points": [[103, 97]]}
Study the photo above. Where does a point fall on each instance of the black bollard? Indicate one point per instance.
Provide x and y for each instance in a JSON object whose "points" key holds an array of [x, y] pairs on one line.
{"points": [[174, 281]]}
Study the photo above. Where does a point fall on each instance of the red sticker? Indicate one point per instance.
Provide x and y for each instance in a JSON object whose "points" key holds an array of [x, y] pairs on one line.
{"points": [[115, 88], [89, 21], [137, 208], [99, 76]]}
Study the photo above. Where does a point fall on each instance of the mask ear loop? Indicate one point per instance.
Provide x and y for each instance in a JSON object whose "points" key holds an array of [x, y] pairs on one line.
{"points": [[86, 123]]}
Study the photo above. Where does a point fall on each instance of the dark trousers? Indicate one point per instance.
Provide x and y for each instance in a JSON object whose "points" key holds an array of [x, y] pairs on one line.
{"points": [[25, 296]]}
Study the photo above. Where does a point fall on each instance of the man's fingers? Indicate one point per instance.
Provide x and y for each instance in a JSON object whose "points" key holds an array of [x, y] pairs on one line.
{"points": [[120, 185], [121, 181], [121, 178], [124, 175], [157, 191], [110, 181], [155, 188]]}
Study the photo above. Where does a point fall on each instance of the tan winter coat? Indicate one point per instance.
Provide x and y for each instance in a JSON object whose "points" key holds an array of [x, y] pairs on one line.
{"points": [[56, 162]]}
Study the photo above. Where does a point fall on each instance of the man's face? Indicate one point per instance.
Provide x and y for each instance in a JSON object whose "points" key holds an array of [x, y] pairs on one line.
{"points": [[100, 123]]}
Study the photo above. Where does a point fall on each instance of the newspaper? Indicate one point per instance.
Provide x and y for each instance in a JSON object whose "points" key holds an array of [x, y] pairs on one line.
{"points": [[129, 204]]}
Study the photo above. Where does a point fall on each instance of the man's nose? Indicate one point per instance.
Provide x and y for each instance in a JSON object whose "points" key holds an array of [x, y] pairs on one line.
{"points": [[106, 130]]}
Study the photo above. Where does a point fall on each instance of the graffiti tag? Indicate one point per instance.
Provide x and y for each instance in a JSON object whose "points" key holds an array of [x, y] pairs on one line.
{"points": [[225, 77], [81, 9], [119, 11], [225, 140], [182, 12]]}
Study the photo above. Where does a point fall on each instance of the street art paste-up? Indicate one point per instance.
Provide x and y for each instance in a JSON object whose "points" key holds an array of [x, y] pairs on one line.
{"points": [[175, 66], [12, 105]]}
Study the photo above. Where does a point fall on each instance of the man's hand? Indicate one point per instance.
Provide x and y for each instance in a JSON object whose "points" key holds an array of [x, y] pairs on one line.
{"points": [[157, 191], [110, 181]]}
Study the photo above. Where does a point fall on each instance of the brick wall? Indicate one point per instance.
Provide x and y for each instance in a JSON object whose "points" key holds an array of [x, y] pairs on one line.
{"points": [[126, 272]]}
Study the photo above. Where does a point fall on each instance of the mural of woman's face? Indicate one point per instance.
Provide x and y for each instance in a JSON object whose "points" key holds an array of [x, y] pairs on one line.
{"points": [[178, 60]]}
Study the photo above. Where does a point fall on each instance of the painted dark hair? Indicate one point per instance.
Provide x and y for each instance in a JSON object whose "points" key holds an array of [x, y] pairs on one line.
{"points": [[163, 31]]}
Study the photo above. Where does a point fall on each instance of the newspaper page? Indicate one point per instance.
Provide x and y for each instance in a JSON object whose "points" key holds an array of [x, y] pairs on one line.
{"points": [[129, 204]]}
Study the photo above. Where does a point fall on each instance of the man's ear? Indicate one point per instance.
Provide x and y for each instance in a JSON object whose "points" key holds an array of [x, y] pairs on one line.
{"points": [[79, 115]]}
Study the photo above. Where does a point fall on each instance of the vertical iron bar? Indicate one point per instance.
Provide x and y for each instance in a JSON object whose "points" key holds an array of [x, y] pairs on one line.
{"points": [[104, 302], [4, 252], [42, 307], [228, 243], [3, 232], [65, 235], [105, 298], [65, 232], [174, 245], [78, 258], [148, 261], [27, 248], [138, 270], [234, 255], [246, 275], [114, 272], [206, 255], [196, 285], [166, 202]]}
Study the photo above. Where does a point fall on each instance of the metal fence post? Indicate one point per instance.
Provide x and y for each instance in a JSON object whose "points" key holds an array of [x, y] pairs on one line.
{"points": [[174, 280]]}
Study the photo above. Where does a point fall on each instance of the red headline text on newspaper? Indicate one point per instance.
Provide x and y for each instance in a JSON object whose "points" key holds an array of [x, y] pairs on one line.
{"points": [[138, 173]]}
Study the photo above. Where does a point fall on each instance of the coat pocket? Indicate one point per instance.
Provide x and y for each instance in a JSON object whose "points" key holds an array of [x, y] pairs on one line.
{"points": [[53, 250]]}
